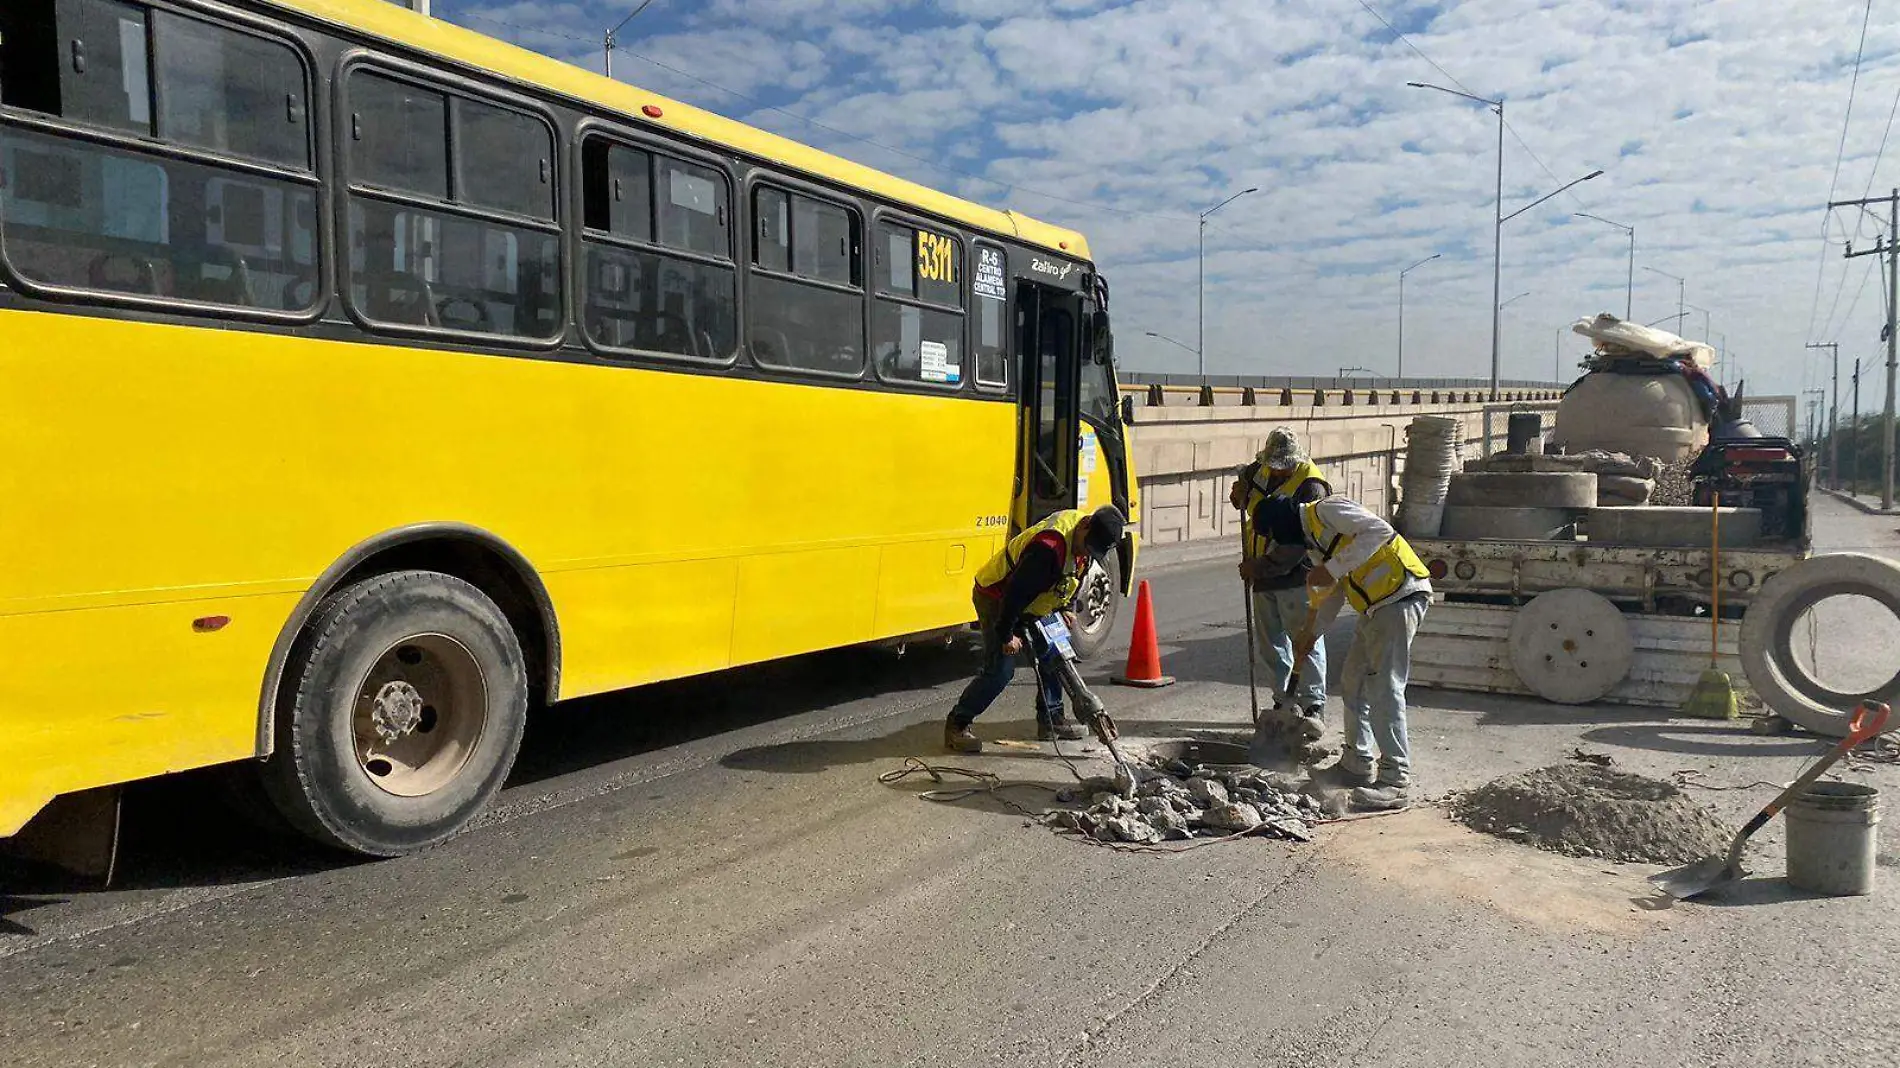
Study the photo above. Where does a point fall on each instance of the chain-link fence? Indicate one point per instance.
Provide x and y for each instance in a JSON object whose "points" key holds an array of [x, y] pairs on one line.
{"points": [[1773, 416]]}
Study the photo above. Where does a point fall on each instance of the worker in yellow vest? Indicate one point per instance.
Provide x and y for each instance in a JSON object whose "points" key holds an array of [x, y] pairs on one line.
{"points": [[1360, 560], [1037, 574], [1276, 575]]}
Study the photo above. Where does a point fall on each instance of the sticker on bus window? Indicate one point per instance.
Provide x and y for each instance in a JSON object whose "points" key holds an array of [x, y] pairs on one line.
{"points": [[936, 363], [1087, 467], [989, 274]]}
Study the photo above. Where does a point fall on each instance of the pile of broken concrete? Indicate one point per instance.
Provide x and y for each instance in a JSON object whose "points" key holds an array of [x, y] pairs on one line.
{"points": [[1178, 801]]}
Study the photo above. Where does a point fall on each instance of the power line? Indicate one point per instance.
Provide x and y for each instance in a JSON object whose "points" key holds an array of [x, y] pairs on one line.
{"points": [[1840, 152], [763, 106], [1374, 12], [1861, 219]]}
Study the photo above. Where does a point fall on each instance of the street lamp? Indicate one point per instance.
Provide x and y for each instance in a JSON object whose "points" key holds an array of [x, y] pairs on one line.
{"points": [[1705, 321], [613, 38], [1629, 284], [1200, 330], [1402, 274], [1514, 300], [1680, 286], [1498, 219], [1169, 340]]}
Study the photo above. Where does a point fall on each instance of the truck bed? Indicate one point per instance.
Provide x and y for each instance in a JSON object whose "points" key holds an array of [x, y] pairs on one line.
{"points": [[1665, 581]]}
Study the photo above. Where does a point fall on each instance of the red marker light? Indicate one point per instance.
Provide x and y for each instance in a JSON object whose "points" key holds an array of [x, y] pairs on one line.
{"points": [[1437, 569], [207, 624], [1062, 245], [652, 111]]}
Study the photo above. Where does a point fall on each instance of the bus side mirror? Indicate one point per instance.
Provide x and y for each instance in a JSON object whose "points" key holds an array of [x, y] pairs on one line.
{"points": [[1128, 410]]}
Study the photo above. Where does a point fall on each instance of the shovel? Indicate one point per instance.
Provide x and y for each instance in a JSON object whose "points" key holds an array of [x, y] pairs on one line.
{"points": [[1718, 870], [1253, 683]]}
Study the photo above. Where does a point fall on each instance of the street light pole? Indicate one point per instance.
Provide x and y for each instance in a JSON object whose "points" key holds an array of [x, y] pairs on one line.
{"points": [[612, 38], [1834, 418], [1629, 282], [1681, 286], [1402, 274], [1497, 221], [1200, 329]]}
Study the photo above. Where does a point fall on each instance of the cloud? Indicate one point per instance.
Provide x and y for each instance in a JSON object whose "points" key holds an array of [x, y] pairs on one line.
{"points": [[1717, 126]]}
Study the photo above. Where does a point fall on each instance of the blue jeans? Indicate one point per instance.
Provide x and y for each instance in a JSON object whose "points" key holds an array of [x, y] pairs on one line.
{"points": [[1372, 685], [1278, 615], [1000, 667]]}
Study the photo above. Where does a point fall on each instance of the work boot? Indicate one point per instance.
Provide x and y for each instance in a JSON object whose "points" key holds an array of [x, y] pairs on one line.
{"points": [[1380, 798], [1313, 723], [1345, 774], [1060, 728], [958, 739]]}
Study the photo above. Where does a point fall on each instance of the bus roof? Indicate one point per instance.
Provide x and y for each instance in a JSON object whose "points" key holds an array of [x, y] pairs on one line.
{"points": [[404, 27]]}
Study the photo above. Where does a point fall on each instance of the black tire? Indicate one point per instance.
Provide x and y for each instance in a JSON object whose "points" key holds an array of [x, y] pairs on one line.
{"points": [[1096, 606], [447, 643]]}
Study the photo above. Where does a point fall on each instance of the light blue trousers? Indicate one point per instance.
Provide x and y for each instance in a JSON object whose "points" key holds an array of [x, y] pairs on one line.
{"points": [[1372, 686], [1279, 615]]}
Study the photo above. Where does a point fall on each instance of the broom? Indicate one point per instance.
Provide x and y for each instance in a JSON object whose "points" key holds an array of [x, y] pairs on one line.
{"points": [[1714, 695]]}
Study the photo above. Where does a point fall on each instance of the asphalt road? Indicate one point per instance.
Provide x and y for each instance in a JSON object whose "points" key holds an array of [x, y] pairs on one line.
{"points": [[709, 873]]}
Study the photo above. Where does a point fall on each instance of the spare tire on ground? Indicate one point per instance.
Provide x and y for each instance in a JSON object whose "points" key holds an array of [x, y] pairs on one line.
{"points": [[1768, 658]]}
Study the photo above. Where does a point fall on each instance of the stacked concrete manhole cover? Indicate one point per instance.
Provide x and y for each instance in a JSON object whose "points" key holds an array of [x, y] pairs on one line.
{"points": [[1529, 506], [1571, 646]]}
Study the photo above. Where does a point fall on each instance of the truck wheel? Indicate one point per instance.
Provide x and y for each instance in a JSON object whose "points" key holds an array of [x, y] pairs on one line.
{"points": [[1096, 605], [407, 699], [1767, 639]]}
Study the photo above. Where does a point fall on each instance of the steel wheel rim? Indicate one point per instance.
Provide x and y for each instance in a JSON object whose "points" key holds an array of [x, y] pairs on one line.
{"points": [[419, 713], [1095, 594]]}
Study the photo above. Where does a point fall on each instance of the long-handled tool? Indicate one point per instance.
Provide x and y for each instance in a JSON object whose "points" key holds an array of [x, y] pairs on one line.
{"points": [[1719, 870], [1713, 696], [1051, 632], [1253, 682]]}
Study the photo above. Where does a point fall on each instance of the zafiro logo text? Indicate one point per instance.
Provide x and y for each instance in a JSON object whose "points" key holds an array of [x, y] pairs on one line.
{"points": [[1056, 270]]}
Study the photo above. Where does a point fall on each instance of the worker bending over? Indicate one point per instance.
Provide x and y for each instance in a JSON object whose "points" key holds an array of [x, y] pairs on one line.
{"points": [[1276, 575], [1358, 558], [1036, 574]]}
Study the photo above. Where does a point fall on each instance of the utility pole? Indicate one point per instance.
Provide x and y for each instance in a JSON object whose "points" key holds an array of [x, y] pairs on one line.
{"points": [[1834, 415], [1891, 249], [1853, 454], [612, 38]]}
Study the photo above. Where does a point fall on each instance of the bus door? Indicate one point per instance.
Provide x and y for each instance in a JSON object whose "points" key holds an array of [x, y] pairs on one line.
{"points": [[1048, 339]]}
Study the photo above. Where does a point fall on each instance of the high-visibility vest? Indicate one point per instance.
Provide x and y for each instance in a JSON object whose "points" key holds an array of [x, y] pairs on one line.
{"points": [[1376, 579], [991, 576], [1253, 547]]}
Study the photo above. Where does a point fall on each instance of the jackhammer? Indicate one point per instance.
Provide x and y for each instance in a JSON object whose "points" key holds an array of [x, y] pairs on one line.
{"points": [[1051, 633]]}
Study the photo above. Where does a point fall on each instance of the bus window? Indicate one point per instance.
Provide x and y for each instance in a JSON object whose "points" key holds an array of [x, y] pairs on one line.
{"points": [[400, 136], [674, 293], [990, 308], [805, 311], [128, 218], [421, 268], [487, 262], [917, 318], [504, 160], [230, 93]]}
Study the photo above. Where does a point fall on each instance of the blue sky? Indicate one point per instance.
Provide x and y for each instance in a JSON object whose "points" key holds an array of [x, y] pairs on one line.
{"points": [[1717, 125]]}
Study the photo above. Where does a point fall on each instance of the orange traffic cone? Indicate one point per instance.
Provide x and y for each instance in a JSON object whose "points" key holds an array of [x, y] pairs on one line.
{"points": [[1144, 653]]}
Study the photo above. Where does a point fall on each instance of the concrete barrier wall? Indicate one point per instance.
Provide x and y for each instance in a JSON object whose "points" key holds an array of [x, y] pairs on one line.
{"points": [[1188, 449]]}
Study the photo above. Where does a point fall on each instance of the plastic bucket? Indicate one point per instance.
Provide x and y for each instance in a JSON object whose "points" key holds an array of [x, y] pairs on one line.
{"points": [[1831, 838]]}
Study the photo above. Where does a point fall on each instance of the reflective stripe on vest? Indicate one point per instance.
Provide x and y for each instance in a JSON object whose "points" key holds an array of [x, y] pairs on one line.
{"points": [[991, 576], [1252, 547], [1379, 577]]}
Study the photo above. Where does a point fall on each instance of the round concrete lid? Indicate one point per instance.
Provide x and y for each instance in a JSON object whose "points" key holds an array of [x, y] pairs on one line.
{"points": [[1571, 646]]}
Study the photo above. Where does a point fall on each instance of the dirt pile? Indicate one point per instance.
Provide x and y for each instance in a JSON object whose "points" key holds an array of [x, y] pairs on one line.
{"points": [[1589, 811]]}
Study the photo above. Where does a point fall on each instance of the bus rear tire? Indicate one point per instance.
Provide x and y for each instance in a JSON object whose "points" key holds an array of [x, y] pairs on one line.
{"points": [[407, 698], [1096, 606]]}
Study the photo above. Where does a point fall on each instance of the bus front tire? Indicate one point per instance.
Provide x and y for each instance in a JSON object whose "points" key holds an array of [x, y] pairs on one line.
{"points": [[1096, 606], [407, 699]]}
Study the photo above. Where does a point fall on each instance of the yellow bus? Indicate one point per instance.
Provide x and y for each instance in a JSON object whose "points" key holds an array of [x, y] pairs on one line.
{"points": [[366, 383]]}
